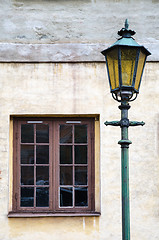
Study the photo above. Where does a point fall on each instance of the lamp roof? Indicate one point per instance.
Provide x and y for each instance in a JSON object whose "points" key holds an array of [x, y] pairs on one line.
{"points": [[126, 40]]}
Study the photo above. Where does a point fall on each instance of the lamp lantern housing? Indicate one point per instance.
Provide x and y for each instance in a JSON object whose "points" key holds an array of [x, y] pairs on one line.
{"points": [[125, 61]]}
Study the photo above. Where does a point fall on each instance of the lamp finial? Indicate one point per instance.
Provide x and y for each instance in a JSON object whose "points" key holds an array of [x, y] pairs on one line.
{"points": [[126, 32], [126, 24]]}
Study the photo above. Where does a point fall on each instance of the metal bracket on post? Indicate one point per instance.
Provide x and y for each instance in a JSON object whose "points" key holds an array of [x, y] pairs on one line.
{"points": [[112, 123], [135, 123], [124, 122]]}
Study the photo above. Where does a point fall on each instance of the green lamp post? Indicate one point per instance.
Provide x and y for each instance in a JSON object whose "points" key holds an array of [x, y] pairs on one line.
{"points": [[125, 61]]}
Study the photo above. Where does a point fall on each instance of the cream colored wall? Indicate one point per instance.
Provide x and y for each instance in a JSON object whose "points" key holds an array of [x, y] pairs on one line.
{"points": [[83, 89]]}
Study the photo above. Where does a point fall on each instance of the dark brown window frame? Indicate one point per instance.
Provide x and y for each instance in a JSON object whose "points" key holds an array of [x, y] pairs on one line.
{"points": [[54, 208]]}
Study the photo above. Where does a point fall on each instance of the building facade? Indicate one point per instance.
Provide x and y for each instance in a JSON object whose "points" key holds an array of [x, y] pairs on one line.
{"points": [[60, 167]]}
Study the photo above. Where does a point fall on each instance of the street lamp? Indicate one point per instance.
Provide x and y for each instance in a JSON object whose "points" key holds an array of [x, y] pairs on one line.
{"points": [[125, 61]]}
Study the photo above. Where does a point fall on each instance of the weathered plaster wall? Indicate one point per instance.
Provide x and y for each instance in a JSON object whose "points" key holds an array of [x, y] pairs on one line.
{"points": [[52, 21], [83, 89], [62, 31]]}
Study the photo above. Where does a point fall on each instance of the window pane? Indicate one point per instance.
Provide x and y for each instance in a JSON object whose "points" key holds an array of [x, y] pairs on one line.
{"points": [[66, 197], [81, 154], [27, 197], [42, 175], [65, 154], [42, 197], [27, 133], [42, 133], [42, 154], [80, 175], [81, 134], [66, 176], [27, 175], [27, 154], [65, 134], [81, 198]]}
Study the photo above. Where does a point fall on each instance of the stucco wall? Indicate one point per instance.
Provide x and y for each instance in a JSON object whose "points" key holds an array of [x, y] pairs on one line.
{"points": [[83, 89], [42, 30], [52, 21]]}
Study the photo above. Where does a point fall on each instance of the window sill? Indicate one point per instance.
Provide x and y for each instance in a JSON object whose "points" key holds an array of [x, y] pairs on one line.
{"points": [[47, 214]]}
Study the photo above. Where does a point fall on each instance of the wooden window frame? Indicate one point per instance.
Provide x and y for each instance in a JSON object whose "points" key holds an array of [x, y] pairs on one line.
{"points": [[54, 209]]}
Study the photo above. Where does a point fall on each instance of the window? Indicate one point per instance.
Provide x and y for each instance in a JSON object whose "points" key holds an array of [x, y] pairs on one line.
{"points": [[53, 162]]}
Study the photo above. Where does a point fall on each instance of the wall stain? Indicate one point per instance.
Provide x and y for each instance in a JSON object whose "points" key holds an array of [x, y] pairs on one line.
{"points": [[52, 225], [90, 224]]}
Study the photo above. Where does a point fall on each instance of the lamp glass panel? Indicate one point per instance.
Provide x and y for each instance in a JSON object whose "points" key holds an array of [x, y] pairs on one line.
{"points": [[128, 57], [142, 59], [112, 64]]}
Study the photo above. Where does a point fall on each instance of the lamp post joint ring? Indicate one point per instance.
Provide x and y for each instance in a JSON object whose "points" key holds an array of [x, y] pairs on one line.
{"points": [[124, 122]]}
